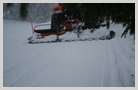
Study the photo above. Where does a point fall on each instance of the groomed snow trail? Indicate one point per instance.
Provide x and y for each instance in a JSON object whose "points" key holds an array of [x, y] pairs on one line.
{"points": [[72, 64]]}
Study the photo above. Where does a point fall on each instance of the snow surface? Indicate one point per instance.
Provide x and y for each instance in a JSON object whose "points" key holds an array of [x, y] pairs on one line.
{"points": [[98, 63]]}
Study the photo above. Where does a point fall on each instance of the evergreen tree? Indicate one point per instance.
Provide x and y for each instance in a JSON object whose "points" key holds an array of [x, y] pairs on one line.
{"points": [[23, 10], [117, 12]]}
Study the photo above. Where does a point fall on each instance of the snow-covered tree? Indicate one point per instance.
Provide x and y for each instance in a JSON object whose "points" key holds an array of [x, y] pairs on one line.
{"points": [[40, 12]]}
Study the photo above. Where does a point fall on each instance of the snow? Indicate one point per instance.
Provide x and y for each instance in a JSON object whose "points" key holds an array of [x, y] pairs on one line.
{"points": [[97, 63], [69, 36], [42, 25]]}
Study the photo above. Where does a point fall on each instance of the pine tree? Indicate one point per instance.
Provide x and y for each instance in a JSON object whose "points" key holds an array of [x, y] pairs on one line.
{"points": [[123, 13], [23, 10]]}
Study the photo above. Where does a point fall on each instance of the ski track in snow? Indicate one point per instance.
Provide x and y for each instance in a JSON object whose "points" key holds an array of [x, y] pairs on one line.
{"points": [[76, 64]]}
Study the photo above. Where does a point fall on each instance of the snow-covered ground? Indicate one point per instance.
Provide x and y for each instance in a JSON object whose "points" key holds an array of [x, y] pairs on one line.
{"points": [[82, 63]]}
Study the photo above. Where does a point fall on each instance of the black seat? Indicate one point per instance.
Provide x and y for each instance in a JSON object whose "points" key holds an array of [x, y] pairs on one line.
{"points": [[45, 31]]}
